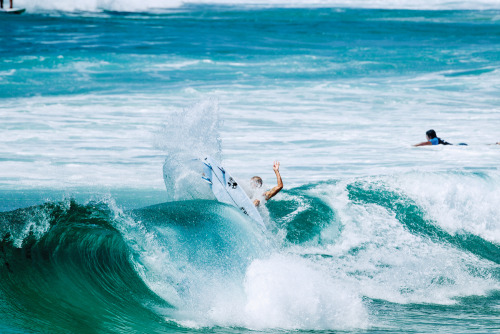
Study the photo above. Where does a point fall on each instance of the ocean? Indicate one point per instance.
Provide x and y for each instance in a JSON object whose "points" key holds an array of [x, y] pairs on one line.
{"points": [[106, 108]]}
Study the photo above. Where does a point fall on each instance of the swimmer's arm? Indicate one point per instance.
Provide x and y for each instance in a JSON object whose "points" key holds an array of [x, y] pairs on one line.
{"points": [[271, 193], [425, 143]]}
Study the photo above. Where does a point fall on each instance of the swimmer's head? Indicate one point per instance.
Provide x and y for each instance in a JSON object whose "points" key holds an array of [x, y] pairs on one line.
{"points": [[256, 182], [431, 134]]}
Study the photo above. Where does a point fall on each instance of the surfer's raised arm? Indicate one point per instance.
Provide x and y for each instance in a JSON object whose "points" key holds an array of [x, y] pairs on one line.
{"points": [[271, 193], [256, 182]]}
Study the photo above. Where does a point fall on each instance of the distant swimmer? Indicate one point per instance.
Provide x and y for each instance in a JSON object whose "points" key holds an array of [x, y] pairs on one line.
{"points": [[256, 182], [1, 4], [433, 139]]}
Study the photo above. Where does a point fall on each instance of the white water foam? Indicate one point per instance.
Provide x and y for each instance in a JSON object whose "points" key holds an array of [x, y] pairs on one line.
{"points": [[289, 292], [318, 132], [386, 261], [279, 292], [187, 137], [142, 6], [457, 202], [273, 290], [64, 142]]}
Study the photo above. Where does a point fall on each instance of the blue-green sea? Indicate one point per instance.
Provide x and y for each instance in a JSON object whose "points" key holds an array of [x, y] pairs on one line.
{"points": [[106, 108]]}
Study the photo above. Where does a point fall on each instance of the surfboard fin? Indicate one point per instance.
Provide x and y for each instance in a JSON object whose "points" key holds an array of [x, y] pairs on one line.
{"points": [[207, 180]]}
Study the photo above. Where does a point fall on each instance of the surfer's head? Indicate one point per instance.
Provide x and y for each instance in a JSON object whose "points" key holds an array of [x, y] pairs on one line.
{"points": [[256, 182], [431, 134]]}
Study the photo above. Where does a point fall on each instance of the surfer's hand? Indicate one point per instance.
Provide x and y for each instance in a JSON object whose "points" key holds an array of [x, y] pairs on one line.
{"points": [[276, 166], [256, 202]]}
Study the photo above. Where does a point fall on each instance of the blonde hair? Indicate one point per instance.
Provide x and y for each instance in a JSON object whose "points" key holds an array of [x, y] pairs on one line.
{"points": [[257, 180]]}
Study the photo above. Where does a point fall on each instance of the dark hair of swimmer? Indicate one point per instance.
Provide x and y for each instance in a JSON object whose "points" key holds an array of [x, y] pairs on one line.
{"points": [[256, 181], [431, 134]]}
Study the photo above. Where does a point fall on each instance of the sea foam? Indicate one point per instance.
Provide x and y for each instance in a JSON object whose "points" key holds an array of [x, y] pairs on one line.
{"points": [[155, 5]]}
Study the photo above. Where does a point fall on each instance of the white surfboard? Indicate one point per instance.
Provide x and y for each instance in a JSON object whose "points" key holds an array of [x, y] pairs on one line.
{"points": [[12, 10], [227, 190]]}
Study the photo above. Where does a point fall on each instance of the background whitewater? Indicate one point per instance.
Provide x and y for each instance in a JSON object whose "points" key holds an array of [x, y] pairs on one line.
{"points": [[143, 6]]}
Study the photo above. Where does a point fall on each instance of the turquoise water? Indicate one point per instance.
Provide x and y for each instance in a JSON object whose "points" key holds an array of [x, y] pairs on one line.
{"points": [[105, 225]]}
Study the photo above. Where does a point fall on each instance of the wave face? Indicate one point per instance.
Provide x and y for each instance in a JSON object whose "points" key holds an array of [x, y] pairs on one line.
{"points": [[339, 255], [65, 268]]}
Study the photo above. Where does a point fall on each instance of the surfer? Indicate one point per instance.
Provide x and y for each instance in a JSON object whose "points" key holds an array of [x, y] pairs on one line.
{"points": [[1, 4], [256, 182], [433, 139]]}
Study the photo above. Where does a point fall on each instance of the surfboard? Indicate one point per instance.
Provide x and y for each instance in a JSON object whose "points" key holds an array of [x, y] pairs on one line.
{"points": [[227, 190], [12, 10]]}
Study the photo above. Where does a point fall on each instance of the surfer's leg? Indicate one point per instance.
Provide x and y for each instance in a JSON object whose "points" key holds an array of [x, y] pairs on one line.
{"points": [[1, 3], [10, 4]]}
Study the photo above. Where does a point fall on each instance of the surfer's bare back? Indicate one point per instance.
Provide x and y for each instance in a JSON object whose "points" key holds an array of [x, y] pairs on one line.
{"points": [[256, 182]]}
